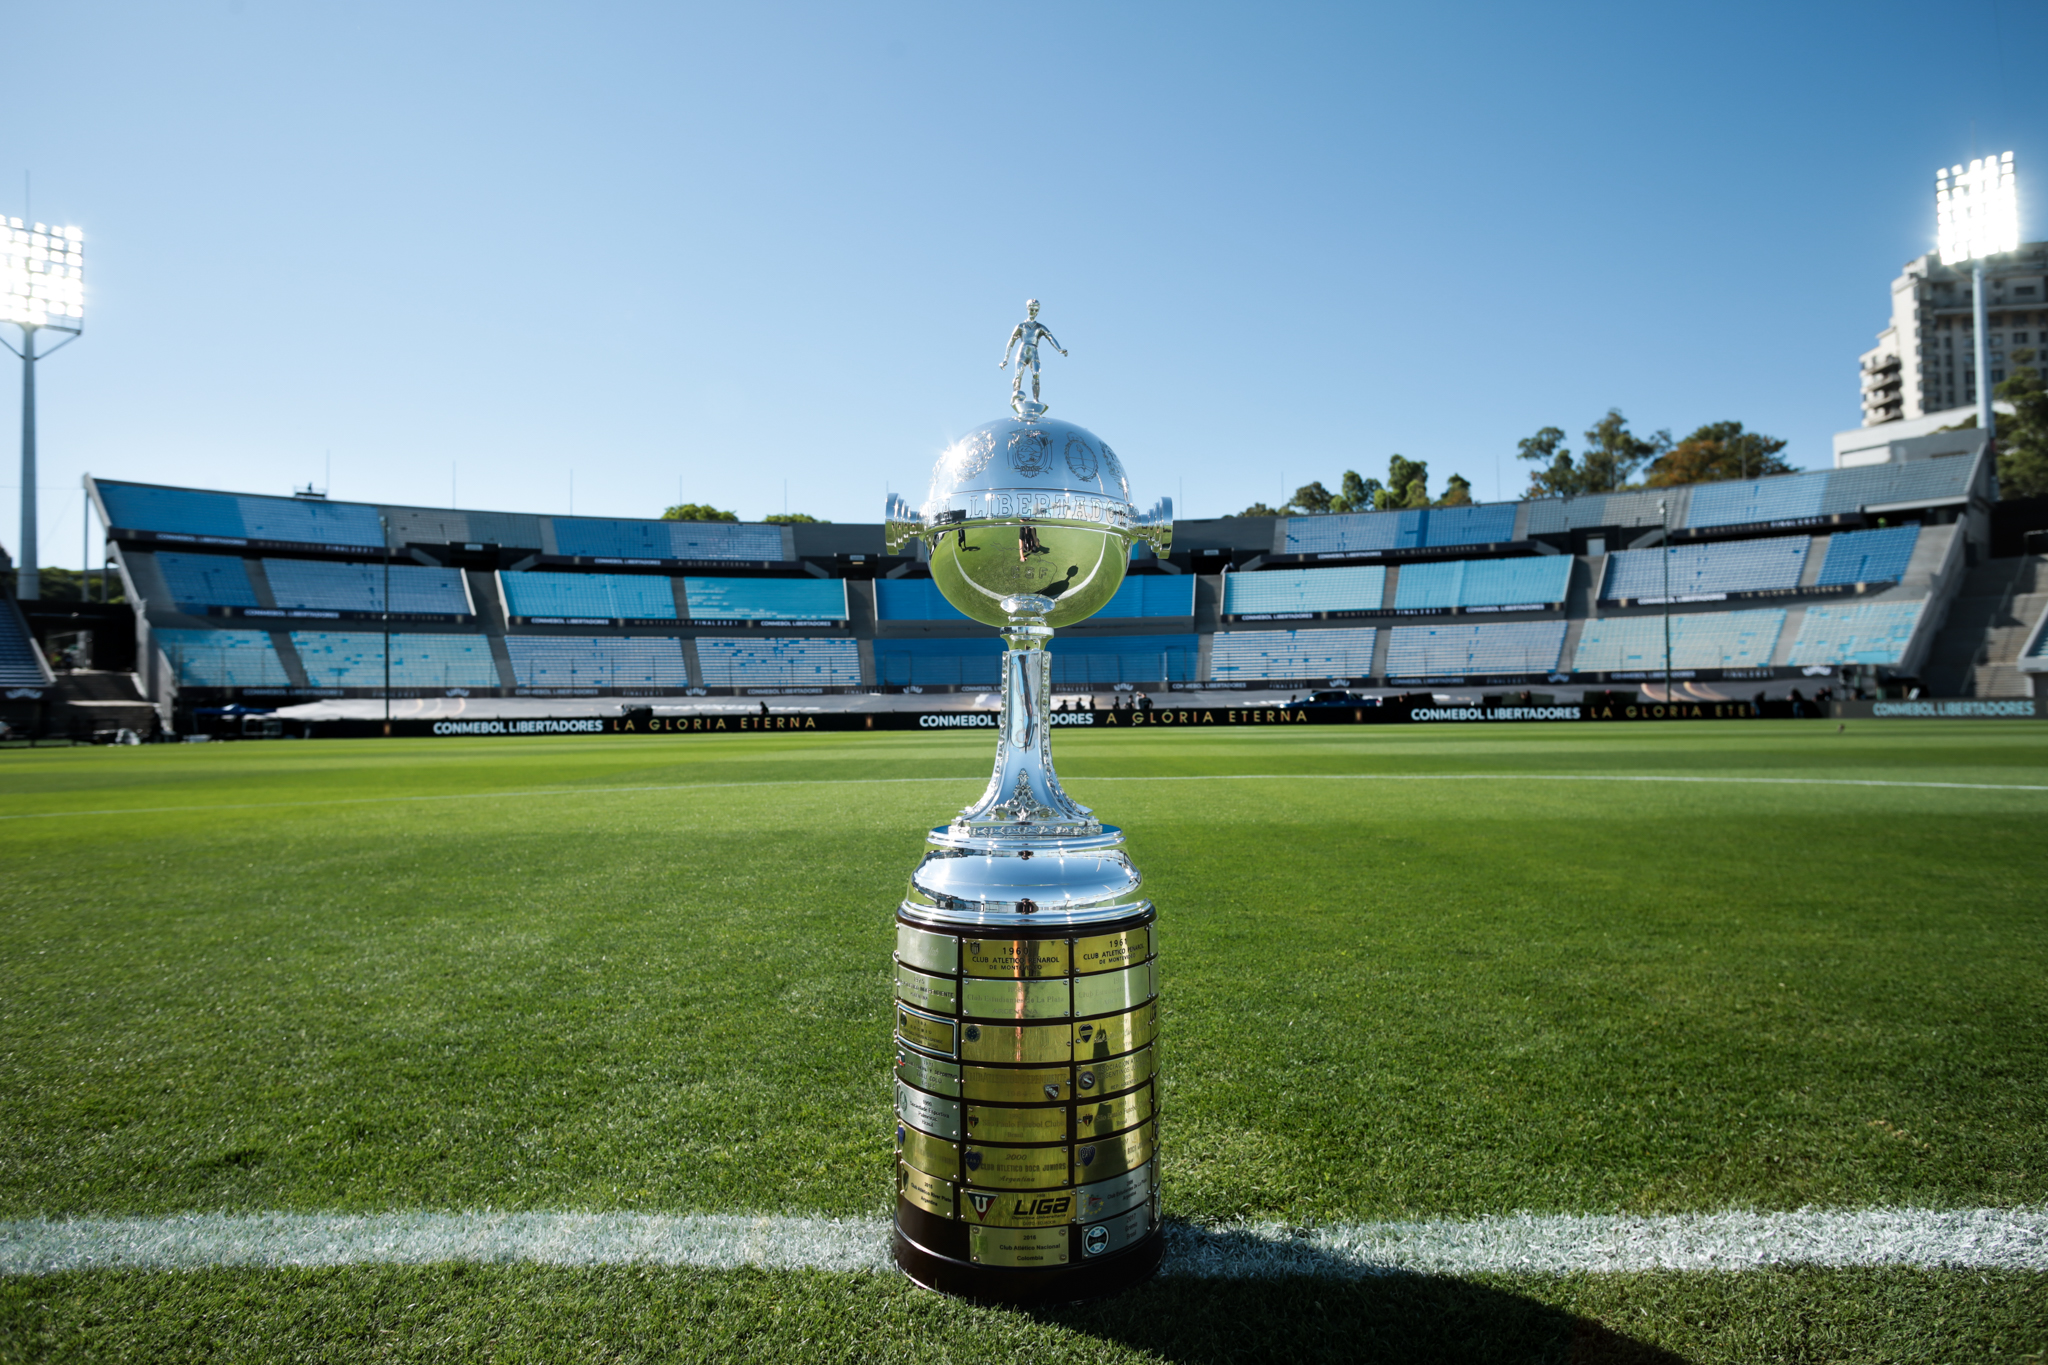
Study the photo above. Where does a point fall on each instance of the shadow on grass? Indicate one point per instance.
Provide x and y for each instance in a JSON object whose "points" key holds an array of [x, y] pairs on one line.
{"points": [[1332, 1311]]}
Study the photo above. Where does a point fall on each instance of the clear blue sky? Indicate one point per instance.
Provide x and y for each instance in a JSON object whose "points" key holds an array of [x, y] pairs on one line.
{"points": [[712, 251]]}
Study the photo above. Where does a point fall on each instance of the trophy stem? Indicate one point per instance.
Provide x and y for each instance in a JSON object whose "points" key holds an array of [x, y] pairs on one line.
{"points": [[1024, 798]]}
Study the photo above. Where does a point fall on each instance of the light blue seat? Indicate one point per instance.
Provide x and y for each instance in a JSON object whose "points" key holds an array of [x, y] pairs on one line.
{"points": [[1862, 633], [323, 585], [1708, 567], [1255, 654], [1879, 556], [1708, 639], [767, 599], [202, 581], [775, 661], [1358, 588], [605, 596], [579, 661], [1460, 649], [223, 658]]}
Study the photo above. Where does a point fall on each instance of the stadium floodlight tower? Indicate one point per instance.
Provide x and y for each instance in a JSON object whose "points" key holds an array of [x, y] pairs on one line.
{"points": [[42, 288], [1977, 214], [1026, 985]]}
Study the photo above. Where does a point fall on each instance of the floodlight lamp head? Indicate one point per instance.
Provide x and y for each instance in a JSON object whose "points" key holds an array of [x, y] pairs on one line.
{"points": [[42, 276], [1976, 209]]}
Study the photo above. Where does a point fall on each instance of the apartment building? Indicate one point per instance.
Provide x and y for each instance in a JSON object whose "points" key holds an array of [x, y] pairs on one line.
{"points": [[1924, 363]]}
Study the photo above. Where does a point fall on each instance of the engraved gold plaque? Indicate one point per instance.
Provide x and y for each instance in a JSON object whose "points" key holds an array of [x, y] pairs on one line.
{"points": [[1016, 999], [939, 994], [1112, 990], [1017, 1246], [990, 1123], [1016, 1042], [928, 1192], [1118, 1033], [922, 948], [927, 1073], [1016, 958], [1103, 1157], [1093, 1079], [1017, 1168], [1112, 1116], [922, 1030], [1016, 1085], [933, 1156], [1106, 952], [1017, 1209]]}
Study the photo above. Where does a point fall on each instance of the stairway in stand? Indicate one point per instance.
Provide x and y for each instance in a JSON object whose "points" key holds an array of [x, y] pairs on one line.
{"points": [[1977, 652]]}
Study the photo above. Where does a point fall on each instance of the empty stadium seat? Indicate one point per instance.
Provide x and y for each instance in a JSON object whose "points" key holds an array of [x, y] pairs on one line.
{"points": [[1361, 588], [1255, 654], [1124, 658], [201, 581], [912, 599], [1494, 647], [767, 599], [355, 658], [1395, 530], [1879, 556], [968, 661], [597, 661], [1879, 485], [601, 538], [1152, 595], [222, 658], [773, 661], [184, 511], [1864, 633], [1536, 581], [1709, 567], [1710, 639], [322, 585], [606, 596], [1738, 502]]}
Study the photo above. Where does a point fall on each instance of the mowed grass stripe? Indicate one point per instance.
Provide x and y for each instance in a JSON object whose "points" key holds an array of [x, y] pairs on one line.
{"points": [[1160, 777], [1972, 1239]]}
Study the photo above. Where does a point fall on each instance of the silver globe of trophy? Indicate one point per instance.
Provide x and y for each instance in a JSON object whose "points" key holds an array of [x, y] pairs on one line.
{"points": [[1026, 959]]}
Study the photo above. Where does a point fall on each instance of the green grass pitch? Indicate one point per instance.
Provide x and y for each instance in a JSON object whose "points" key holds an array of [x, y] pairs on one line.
{"points": [[652, 974]]}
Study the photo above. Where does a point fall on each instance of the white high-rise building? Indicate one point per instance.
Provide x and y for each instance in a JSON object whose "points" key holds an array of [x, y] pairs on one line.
{"points": [[1924, 364]]}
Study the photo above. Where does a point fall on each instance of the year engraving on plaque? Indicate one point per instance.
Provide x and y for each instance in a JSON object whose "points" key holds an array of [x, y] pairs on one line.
{"points": [[1007, 1209], [922, 948], [1106, 1198], [927, 1073], [988, 1123], [922, 1030], [1093, 1079], [936, 1116], [939, 994], [1009, 1085], [1106, 952], [1000, 999], [1110, 1156], [928, 1192], [1017, 1246], [1113, 990], [933, 1156], [1016, 958], [1112, 1116], [1016, 1042], [1017, 1168]]}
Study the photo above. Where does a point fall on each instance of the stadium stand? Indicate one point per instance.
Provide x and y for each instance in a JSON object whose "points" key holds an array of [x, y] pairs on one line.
{"points": [[912, 599], [1495, 647], [1709, 567], [919, 599], [343, 658], [597, 661], [1717, 639], [623, 596], [322, 585], [222, 658], [1741, 501], [767, 599], [1363, 588], [971, 661], [1255, 654], [1869, 556], [237, 516], [1535, 581], [1426, 526], [1864, 633], [1106, 659], [19, 663], [771, 661], [202, 581], [1884, 485], [1551, 516], [667, 539]]}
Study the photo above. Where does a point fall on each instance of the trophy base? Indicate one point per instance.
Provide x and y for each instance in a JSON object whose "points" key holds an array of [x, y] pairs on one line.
{"points": [[1096, 1279]]}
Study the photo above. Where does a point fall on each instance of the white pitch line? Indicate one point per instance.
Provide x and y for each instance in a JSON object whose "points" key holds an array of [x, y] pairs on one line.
{"points": [[1974, 1239], [1164, 777]]}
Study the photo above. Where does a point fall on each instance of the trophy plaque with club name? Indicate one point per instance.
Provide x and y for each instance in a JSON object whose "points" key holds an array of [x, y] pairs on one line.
{"points": [[1026, 964]]}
